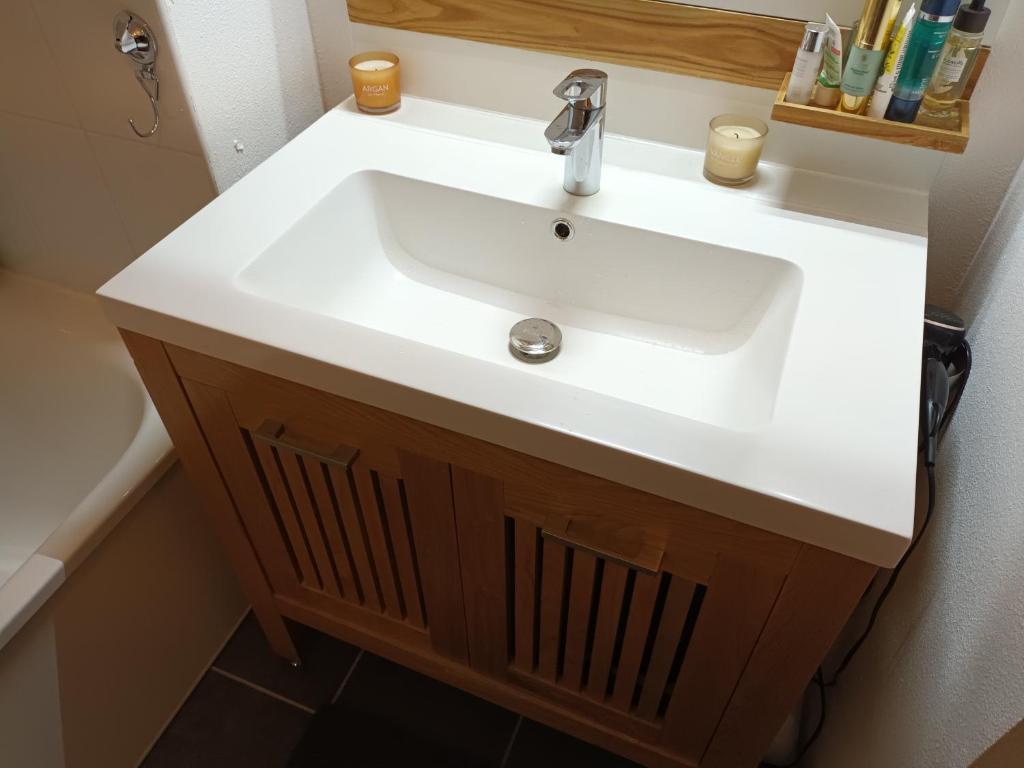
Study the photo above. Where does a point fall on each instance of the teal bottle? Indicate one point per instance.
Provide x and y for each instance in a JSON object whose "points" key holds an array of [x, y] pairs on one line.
{"points": [[923, 52]]}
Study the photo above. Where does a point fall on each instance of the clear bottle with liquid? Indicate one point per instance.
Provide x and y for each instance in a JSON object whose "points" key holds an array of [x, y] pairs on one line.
{"points": [[959, 55]]}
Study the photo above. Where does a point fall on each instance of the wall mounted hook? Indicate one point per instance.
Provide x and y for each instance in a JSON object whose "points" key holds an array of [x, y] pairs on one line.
{"points": [[134, 38], [144, 76]]}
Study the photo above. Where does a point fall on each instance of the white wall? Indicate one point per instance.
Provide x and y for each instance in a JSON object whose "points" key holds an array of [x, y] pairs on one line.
{"points": [[332, 37], [80, 194], [251, 73], [942, 676], [970, 187]]}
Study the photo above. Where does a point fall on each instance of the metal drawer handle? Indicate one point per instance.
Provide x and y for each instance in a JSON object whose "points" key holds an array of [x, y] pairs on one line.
{"points": [[647, 559], [273, 433]]}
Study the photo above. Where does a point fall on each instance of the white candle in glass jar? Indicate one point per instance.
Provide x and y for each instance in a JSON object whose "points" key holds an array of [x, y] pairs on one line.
{"points": [[734, 149]]}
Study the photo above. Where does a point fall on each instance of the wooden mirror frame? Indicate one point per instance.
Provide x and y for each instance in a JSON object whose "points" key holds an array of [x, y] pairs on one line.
{"points": [[735, 47]]}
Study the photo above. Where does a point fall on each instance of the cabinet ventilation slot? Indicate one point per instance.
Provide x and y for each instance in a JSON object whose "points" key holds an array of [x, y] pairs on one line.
{"points": [[346, 528], [594, 627]]}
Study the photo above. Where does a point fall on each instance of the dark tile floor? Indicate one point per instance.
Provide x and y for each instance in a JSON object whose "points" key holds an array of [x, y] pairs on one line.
{"points": [[252, 709]]}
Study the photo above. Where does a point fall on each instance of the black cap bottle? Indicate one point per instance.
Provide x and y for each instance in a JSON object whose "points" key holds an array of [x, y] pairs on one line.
{"points": [[959, 55]]}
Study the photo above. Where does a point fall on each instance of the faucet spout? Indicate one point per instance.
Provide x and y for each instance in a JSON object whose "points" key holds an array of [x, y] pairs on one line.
{"points": [[571, 127], [577, 133]]}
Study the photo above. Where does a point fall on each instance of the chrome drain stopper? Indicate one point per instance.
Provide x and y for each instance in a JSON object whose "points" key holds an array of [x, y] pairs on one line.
{"points": [[534, 340]]}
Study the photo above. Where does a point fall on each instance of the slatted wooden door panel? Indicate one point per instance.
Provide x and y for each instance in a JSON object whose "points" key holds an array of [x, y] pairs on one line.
{"points": [[333, 532], [651, 653], [597, 628]]}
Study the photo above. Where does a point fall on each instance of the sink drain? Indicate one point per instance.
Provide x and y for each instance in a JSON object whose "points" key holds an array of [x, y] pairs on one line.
{"points": [[534, 340], [562, 229]]}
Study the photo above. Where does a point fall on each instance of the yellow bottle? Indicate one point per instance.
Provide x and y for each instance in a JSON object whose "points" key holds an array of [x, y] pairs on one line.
{"points": [[867, 54]]}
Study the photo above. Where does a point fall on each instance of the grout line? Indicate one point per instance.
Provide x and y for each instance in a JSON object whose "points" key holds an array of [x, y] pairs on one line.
{"points": [[261, 689], [193, 687], [348, 676], [511, 743]]}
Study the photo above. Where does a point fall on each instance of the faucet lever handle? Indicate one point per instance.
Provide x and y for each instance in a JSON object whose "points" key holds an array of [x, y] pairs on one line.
{"points": [[581, 87]]}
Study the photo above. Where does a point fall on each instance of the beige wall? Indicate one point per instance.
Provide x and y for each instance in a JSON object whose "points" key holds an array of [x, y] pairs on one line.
{"points": [[80, 194], [30, 722]]}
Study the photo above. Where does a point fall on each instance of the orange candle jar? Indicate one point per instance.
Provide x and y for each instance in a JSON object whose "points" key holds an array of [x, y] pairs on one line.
{"points": [[375, 82]]}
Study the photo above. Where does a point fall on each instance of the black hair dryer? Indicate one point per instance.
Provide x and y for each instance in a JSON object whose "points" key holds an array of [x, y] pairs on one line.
{"points": [[944, 373]]}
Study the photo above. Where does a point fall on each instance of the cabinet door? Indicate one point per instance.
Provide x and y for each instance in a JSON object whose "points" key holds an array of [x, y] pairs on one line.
{"points": [[359, 533], [641, 628]]}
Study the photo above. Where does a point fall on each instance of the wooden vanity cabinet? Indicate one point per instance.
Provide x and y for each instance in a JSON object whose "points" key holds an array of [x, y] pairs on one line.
{"points": [[667, 634]]}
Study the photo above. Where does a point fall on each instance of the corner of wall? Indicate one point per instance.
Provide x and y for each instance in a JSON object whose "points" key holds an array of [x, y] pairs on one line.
{"points": [[253, 96], [332, 38], [970, 188]]}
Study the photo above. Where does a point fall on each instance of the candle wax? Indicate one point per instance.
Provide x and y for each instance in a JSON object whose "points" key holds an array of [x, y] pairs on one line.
{"points": [[738, 132], [374, 65]]}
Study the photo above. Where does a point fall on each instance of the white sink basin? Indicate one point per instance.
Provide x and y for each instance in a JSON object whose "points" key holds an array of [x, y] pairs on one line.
{"points": [[686, 327], [753, 352]]}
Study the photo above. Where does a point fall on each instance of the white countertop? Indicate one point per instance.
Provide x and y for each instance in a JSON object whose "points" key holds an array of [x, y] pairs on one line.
{"points": [[833, 464]]}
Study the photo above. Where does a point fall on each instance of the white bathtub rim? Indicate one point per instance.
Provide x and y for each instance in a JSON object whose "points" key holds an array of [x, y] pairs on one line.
{"points": [[26, 591], [146, 459]]}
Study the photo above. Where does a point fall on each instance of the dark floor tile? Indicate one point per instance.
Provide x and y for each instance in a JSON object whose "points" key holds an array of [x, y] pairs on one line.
{"points": [[537, 746], [325, 662], [225, 724], [410, 706], [340, 737]]}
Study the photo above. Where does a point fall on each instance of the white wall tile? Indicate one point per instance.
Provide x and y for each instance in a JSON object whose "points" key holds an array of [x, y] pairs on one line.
{"points": [[154, 189], [31, 83], [102, 81], [57, 218]]}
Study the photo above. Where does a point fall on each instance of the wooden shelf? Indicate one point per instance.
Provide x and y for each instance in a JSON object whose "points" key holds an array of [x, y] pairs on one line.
{"points": [[925, 136]]}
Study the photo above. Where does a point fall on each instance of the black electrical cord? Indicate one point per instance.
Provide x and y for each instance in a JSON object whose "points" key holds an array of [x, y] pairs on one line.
{"points": [[930, 469], [819, 677]]}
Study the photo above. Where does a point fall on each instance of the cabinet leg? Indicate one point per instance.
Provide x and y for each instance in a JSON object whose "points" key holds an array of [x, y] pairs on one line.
{"points": [[279, 637], [168, 395]]}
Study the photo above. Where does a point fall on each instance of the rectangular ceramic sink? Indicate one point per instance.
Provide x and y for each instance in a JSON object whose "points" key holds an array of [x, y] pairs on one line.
{"points": [[682, 326], [754, 353]]}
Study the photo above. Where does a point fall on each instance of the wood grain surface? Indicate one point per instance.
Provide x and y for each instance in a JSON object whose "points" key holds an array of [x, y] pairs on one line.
{"points": [[940, 139], [703, 42]]}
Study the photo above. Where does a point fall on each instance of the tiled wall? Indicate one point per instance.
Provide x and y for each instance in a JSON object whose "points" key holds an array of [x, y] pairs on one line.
{"points": [[80, 194]]}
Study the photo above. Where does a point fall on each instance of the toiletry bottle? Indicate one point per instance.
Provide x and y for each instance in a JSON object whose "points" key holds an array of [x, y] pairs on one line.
{"points": [[826, 94], [940, 105], [807, 64], [892, 66], [867, 54], [923, 51]]}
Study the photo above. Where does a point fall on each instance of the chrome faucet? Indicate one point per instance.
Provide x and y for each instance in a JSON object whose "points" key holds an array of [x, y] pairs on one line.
{"points": [[578, 131]]}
